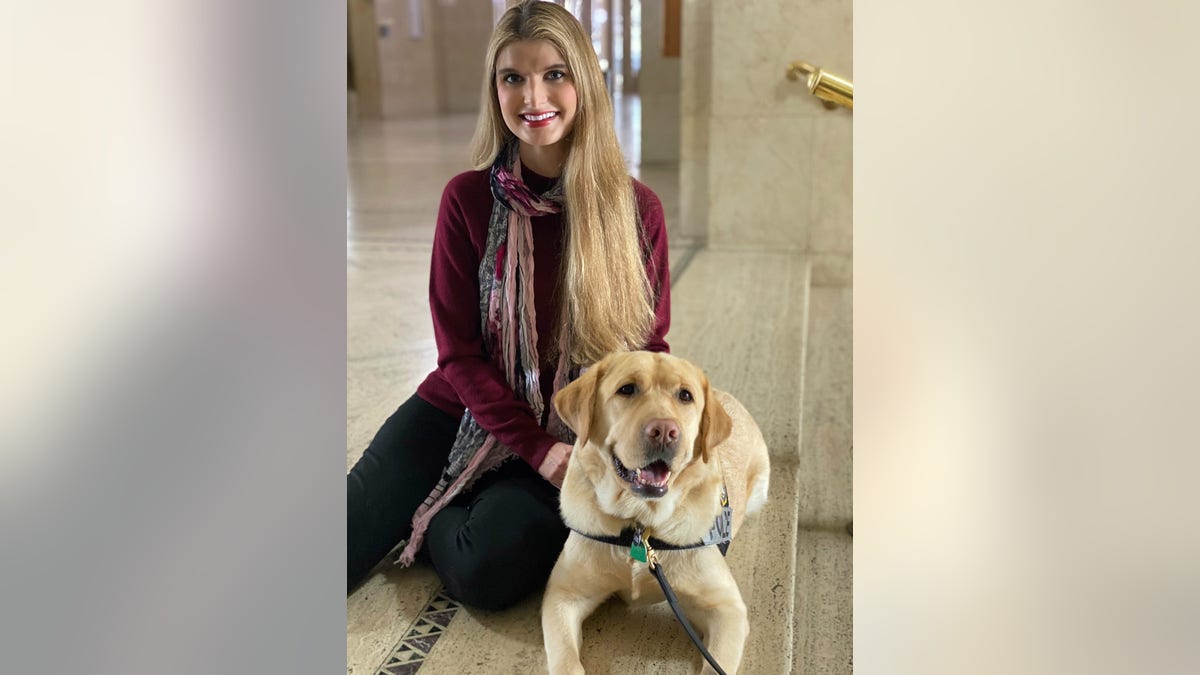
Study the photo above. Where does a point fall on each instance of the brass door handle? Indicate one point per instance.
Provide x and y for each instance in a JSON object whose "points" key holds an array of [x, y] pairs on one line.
{"points": [[831, 89]]}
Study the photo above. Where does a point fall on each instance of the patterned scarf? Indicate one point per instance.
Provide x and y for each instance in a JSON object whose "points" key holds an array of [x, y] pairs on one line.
{"points": [[509, 321]]}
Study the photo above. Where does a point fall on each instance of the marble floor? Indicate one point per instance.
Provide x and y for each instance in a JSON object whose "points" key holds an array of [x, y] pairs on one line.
{"points": [[754, 320]]}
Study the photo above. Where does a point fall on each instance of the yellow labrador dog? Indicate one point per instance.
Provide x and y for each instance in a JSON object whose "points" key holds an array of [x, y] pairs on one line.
{"points": [[657, 451]]}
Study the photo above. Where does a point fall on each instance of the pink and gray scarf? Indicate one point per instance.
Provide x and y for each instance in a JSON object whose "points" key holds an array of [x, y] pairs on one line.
{"points": [[509, 321]]}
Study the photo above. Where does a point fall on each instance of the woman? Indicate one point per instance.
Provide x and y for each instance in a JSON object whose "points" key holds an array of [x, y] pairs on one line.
{"points": [[545, 258]]}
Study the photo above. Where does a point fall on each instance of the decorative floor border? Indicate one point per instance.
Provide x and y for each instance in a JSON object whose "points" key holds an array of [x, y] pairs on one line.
{"points": [[413, 648]]}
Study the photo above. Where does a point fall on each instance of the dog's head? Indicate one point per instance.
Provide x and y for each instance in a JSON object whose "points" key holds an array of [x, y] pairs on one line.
{"points": [[648, 415]]}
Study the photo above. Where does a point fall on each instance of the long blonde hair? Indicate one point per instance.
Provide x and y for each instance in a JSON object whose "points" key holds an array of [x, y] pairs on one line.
{"points": [[605, 297]]}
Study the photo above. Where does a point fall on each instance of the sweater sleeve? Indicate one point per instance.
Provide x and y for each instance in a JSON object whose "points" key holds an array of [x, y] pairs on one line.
{"points": [[654, 232], [454, 304]]}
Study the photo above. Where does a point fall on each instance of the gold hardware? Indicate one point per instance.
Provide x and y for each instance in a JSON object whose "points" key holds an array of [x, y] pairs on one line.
{"points": [[831, 89], [651, 554]]}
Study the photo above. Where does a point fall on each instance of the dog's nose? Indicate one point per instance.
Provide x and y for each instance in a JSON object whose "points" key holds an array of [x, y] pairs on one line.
{"points": [[662, 431]]}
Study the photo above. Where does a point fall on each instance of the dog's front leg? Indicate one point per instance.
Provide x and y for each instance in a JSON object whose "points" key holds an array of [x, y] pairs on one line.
{"points": [[565, 605], [717, 610], [726, 629]]}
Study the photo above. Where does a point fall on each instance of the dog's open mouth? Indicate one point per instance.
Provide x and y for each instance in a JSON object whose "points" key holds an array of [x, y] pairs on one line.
{"points": [[648, 481]]}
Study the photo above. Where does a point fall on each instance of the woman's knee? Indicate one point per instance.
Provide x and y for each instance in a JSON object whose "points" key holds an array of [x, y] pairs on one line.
{"points": [[493, 561], [495, 580], [483, 583]]}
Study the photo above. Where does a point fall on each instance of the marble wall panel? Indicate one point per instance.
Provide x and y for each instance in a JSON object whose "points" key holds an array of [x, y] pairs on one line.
{"points": [[755, 40], [661, 124], [832, 269], [760, 182], [833, 183]]}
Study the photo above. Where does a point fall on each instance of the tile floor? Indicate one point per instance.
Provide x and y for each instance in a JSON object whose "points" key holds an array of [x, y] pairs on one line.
{"points": [[784, 352]]}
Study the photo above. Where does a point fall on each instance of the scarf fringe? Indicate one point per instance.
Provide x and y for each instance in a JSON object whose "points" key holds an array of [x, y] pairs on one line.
{"points": [[443, 494]]}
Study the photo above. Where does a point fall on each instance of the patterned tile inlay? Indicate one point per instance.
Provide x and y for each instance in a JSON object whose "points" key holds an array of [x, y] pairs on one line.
{"points": [[414, 647]]}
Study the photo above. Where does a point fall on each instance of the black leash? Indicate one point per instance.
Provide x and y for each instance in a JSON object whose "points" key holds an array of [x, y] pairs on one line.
{"points": [[657, 570]]}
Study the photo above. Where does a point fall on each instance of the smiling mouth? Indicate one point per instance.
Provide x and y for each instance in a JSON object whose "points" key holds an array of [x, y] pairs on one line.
{"points": [[539, 118], [649, 481]]}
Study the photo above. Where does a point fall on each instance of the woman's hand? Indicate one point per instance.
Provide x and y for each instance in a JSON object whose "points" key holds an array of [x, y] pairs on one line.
{"points": [[554, 466]]}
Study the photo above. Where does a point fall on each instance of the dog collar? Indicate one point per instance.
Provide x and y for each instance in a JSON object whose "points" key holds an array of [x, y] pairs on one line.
{"points": [[635, 537]]}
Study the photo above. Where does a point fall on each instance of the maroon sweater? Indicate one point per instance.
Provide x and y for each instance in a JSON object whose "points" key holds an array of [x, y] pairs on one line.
{"points": [[466, 377]]}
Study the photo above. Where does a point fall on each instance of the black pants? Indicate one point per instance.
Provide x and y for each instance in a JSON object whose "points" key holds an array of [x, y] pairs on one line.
{"points": [[492, 546]]}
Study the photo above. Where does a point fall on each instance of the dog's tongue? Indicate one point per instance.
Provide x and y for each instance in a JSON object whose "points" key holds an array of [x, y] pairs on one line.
{"points": [[654, 474]]}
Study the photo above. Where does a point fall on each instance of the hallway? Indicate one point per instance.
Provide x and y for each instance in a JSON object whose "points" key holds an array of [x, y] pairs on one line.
{"points": [[752, 318]]}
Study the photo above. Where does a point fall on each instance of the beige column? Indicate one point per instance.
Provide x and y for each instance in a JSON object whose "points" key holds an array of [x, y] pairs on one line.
{"points": [[764, 164]]}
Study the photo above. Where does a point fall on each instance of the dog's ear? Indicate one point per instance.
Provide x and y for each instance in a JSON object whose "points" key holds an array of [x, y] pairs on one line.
{"points": [[574, 402], [715, 425]]}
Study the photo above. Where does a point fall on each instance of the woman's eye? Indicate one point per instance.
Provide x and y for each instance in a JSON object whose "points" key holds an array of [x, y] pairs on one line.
{"points": [[627, 390], [555, 75], [511, 78], [685, 396]]}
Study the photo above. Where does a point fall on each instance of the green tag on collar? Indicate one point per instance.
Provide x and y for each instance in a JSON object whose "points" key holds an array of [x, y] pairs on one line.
{"points": [[637, 551]]}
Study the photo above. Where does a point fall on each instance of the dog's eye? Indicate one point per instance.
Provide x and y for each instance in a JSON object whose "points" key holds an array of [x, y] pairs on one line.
{"points": [[685, 396], [627, 390]]}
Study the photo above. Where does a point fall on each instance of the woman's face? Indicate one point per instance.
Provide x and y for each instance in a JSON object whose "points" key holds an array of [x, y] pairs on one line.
{"points": [[536, 92]]}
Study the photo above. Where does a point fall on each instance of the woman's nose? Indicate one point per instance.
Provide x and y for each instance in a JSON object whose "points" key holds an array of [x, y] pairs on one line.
{"points": [[533, 92]]}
